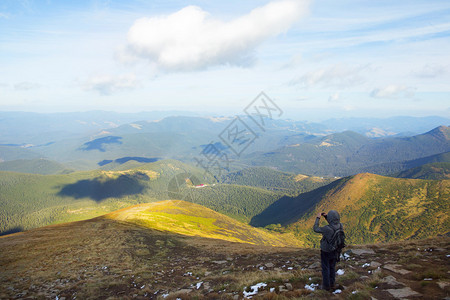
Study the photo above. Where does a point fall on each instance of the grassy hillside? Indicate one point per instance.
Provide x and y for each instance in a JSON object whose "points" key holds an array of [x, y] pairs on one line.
{"points": [[34, 166], [104, 258], [273, 180], [191, 219], [373, 208]]}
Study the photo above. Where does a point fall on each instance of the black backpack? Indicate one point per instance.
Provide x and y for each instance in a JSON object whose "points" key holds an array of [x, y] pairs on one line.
{"points": [[337, 241]]}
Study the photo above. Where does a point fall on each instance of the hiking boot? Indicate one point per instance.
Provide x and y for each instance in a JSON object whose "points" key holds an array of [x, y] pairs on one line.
{"points": [[328, 289]]}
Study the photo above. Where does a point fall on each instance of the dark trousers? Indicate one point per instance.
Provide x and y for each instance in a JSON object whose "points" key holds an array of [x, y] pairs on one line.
{"points": [[328, 261]]}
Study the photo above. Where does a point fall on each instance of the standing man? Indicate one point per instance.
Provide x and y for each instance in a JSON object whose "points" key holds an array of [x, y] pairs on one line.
{"points": [[331, 244]]}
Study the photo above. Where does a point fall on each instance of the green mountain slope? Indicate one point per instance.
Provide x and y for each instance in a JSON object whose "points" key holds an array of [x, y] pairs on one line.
{"points": [[30, 200], [396, 167], [13, 153], [434, 171], [273, 180], [373, 208], [34, 166], [185, 218]]}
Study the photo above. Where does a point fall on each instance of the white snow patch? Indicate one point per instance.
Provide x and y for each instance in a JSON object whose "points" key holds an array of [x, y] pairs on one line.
{"points": [[165, 295], [338, 291], [290, 268], [340, 272], [428, 279], [254, 289], [365, 265], [199, 285], [272, 290], [312, 287], [354, 292]]}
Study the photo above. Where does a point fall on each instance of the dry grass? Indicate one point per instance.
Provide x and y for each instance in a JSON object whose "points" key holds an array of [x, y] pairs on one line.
{"points": [[104, 258]]}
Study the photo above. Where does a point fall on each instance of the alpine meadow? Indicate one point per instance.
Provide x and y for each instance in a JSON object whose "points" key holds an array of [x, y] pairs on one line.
{"points": [[267, 149]]}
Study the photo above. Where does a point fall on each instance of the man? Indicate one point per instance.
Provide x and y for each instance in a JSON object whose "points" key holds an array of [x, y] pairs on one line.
{"points": [[329, 254]]}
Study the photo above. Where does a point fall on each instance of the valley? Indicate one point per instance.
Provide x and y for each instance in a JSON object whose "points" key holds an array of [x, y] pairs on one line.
{"points": [[129, 212]]}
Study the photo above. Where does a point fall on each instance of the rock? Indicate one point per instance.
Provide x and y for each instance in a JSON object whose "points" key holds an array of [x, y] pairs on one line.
{"points": [[443, 284], [269, 265], [220, 262], [362, 251], [403, 292], [396, 269], [391, 280], [288, 286], [206, 285], [236, 297], [314, 265], [282, 288], [375, 264]]}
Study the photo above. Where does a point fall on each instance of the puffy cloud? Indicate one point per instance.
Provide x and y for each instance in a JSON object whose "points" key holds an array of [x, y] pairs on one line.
{"points": [[393, 91], [107, 84], [338, 75], [26, 86], [191, 39]]}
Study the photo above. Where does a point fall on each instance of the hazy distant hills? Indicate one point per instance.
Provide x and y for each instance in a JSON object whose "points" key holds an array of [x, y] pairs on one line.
{"points": [[373, 208], [34, 166], [348, 153], [85, 141]]}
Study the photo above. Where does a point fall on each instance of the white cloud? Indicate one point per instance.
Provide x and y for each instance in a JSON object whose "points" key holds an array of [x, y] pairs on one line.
{"points": [[191, 39], [338, 75], [393, 91], [107, 84], [431, 71], [26, 86]]}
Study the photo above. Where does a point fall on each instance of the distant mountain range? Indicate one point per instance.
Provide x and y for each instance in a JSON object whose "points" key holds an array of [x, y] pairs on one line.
{"points": [[294, 146], [347, 153]]}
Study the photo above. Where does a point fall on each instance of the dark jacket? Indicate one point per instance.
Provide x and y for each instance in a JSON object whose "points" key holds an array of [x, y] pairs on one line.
{"points": [[328, 230]]}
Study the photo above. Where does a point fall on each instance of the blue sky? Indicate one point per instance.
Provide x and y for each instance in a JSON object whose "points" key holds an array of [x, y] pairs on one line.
{"points": [[316, 59]]}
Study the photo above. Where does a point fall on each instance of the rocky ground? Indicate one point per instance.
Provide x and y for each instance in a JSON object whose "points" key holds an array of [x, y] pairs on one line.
{"points": [[105, 259]]}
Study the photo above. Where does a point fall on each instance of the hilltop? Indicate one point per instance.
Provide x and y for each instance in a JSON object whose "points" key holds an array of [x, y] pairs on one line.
{"points": [[373, 208], [104, 258], [185, 218]]}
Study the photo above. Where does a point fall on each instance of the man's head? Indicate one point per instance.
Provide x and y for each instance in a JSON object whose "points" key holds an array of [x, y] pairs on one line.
{"points": [[333, 217]]}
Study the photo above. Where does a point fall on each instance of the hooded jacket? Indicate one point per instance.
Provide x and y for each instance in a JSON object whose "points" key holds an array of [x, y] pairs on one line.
{"points": [[328, 230]]}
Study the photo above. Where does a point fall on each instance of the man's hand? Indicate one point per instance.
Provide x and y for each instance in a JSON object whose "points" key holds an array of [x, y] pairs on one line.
{"points": [[319, 215]]}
